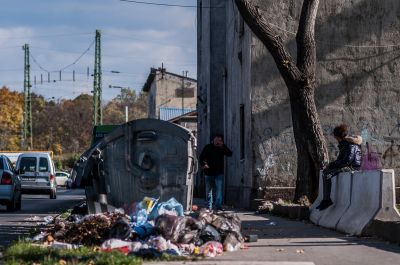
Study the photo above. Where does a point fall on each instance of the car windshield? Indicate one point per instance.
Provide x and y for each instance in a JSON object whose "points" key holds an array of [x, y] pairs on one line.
{"points": [[59, 174], [1, 163], [43, 165], [28, 164]]}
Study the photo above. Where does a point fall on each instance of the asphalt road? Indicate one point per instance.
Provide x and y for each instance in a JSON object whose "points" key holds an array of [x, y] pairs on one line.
{"points": [[18, 224]]}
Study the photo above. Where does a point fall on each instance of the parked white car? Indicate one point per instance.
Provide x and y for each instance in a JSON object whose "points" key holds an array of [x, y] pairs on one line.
{"points": [[37, 173], [62, 178], [10, 185]]}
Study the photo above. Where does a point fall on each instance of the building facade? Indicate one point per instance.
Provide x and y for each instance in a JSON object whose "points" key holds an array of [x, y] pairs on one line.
{"points": [[242, 95], [169, 95]]}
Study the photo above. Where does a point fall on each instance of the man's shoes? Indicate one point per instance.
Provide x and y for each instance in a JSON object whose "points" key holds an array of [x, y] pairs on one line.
{"points": [[324, 204]]}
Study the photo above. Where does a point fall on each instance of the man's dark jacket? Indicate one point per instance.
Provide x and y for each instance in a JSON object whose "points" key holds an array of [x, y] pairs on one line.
{"points": [[214, 157], [349, 153]]}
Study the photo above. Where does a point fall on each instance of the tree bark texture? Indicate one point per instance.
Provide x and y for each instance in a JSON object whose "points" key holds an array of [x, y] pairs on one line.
{"points": [[299, 77]]}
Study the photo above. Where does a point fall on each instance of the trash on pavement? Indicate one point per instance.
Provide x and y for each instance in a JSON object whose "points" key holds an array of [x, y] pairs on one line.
{"points": [[211, 249], [171, 233], [120, 230], [251, 238], [225, 223], [209, 233], [61, 245], [178, 229], [231, 243], [48, 219], [143, 231], [120, 245], [170, 207]]}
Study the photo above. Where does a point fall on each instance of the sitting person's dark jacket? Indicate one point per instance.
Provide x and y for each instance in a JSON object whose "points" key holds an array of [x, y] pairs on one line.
{"points": [[349, 159], [349, 153]]}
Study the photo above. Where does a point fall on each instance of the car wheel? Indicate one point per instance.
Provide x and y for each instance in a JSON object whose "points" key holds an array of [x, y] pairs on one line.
{"points": [[12, 205], [53, 194]]}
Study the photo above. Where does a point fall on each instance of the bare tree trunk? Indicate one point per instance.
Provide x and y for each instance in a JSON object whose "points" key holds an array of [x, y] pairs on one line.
{"points": [[300, 80]]}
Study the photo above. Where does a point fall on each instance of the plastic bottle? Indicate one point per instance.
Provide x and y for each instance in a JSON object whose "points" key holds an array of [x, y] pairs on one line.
{"points": [[141, 217]]}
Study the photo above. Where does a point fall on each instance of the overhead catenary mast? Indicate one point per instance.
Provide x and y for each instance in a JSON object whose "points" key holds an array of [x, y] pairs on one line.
{"points": [[27, 123], [97, 90]]}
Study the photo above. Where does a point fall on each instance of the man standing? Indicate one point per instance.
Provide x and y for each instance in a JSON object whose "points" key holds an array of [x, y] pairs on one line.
{"points": [[212, 162]]}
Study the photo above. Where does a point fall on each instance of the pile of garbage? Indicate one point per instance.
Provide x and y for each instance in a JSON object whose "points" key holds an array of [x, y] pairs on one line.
{"points": [[150, 230]]}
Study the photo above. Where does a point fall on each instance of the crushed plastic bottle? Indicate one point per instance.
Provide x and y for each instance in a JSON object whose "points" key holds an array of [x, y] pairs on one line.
{"points": [[141, 217]]}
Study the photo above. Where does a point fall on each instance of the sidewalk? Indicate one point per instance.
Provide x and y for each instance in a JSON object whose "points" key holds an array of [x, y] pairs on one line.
{"points": [[281, 242]]}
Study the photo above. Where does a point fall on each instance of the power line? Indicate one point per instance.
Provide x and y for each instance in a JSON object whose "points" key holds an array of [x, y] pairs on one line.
{"points": [[182, 63], [45, 36], [67, 66], [86, 51], [169, 5], [38, 64], [156, 3]]}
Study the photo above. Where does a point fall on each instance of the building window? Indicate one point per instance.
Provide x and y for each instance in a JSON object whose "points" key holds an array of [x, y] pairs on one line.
{"points": [[242, 132], [188, 92]]}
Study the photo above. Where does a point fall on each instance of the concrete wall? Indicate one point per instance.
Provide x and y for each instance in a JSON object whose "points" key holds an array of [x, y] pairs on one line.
{"points": [[357, 84], [239, 180], [211, 73]]}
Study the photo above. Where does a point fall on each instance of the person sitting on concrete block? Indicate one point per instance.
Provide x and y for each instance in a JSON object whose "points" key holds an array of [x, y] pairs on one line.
{"points": [[349, 159]]}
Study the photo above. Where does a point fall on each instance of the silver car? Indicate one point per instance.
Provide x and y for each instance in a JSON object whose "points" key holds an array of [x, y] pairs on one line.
{"points": [[37, 173], [10, 185]]}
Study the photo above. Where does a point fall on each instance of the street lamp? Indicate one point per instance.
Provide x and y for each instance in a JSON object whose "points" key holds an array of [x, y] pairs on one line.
{"points": [[126, 107]]}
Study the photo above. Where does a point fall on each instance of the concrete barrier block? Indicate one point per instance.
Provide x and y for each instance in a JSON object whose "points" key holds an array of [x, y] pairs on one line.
{"points": [[341, 200], [365, 202], [315, 214], [388, 210], [372, 198]]}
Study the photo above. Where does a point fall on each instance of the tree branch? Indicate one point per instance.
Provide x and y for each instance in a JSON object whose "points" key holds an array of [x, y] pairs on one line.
{"points": [[305, 38], [260, 27]]}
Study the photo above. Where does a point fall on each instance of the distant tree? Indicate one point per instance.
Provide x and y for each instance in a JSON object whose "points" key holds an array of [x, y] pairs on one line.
{"points": [[63, 126], [114, 111], [299, 77], [11, 116]]}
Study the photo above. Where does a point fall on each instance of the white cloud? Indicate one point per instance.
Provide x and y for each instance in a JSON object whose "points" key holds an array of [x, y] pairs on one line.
{"points": [[134, 38]]}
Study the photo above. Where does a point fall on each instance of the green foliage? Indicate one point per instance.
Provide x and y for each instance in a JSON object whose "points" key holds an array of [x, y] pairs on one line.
{"points": [[58, 164], [11, 115], [66, 161], [25, 253], [114, 111], [62, 126]]}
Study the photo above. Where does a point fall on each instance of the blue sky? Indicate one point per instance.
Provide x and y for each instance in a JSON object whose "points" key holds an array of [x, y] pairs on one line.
{"points": [[135, 37]]}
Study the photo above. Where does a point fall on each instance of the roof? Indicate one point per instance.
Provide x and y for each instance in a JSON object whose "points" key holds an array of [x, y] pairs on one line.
{"points": [[153, 73], [189, 115], [167, 114]]}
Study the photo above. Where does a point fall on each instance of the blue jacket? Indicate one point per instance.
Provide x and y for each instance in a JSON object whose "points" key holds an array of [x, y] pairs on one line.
{"points": [[349, 153]]}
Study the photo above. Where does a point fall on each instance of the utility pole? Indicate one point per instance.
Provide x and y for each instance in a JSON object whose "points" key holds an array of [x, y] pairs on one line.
{"points": [[97, 111], [27, 125], [184, 74]]}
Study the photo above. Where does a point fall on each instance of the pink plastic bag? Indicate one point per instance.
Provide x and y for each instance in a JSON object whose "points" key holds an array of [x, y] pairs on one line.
{"points": [[211, 249], [370, 160]]}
